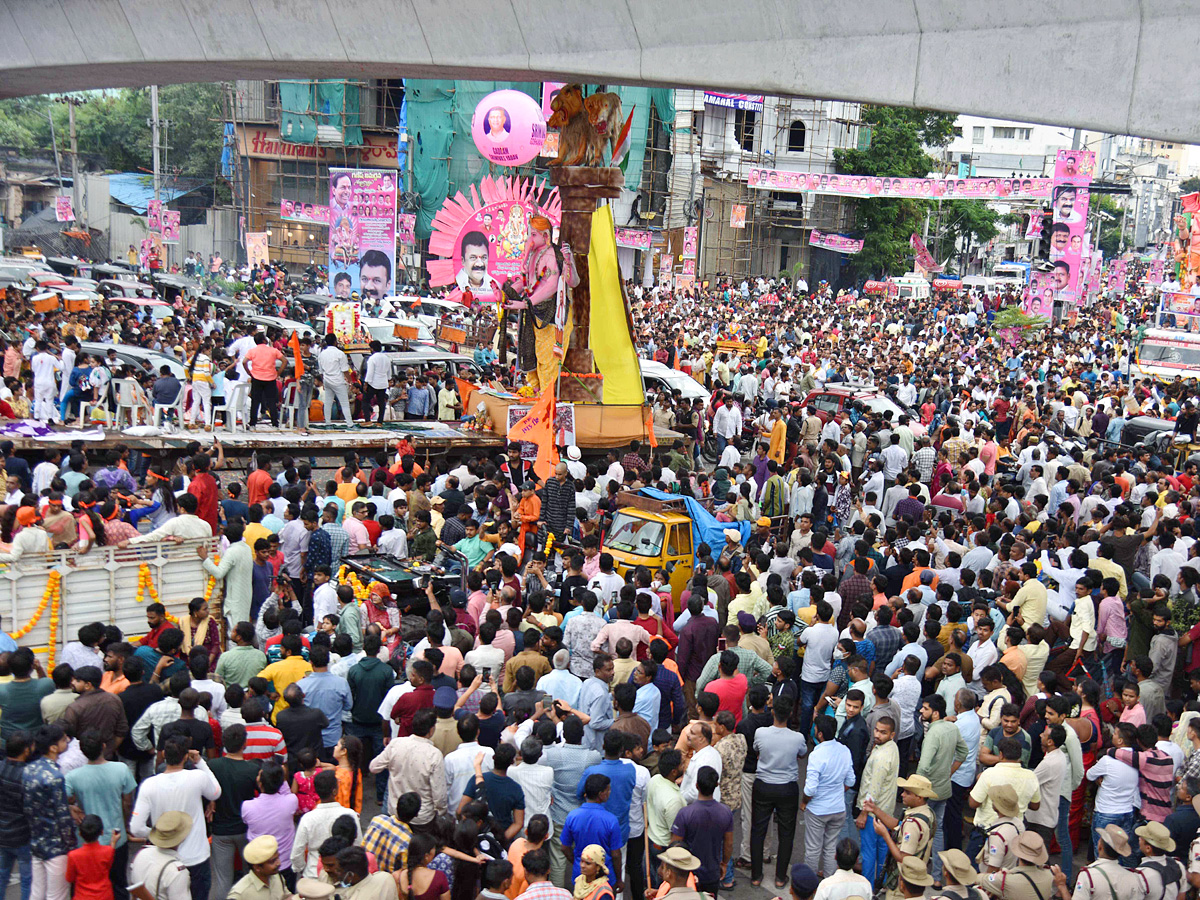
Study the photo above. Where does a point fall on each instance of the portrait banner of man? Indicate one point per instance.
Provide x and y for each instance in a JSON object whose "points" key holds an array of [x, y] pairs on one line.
{"points": [[362, 233]]}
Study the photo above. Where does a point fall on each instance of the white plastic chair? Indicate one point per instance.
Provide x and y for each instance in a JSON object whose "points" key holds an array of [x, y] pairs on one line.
{"points": [[289, 411], [126, 402], [86, 407], [176, 406], [237, 398]]}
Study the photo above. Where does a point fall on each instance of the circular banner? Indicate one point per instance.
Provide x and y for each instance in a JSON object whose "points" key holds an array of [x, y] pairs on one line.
{"points": [[508, 127]]}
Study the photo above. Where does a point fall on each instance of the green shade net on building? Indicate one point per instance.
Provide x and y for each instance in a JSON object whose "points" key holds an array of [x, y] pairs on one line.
{"points": [[307, 104], [445, 159], [639, 99]]}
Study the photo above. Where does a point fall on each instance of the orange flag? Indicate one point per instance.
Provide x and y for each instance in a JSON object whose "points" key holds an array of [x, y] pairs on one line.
{"points": [[294, 343], [537, 427], [650, 436], [465, 390]]}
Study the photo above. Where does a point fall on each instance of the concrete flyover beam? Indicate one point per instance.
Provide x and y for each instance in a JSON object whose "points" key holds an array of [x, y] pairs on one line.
{"points": [[1120, 66]]}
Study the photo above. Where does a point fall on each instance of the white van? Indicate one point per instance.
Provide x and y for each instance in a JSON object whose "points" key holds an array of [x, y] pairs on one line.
{"points": [[1165, 353], [911, 287]]}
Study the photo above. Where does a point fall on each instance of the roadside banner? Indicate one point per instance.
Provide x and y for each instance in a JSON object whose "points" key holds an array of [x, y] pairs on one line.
{"points": [[362, 230], [837, 242], [691, 239], [309, 213], [871, 186], [64, 211], [637, 238], [170, 226], [256, 247], [1069, 203]]}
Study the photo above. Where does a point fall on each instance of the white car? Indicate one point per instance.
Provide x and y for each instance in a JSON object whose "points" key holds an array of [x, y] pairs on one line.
{"points": [[663, 378]]}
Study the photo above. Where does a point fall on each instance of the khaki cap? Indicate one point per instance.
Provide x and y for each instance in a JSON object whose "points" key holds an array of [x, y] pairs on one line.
{"points": [[957, 864], [1004, 800], [311, 889], [919, 785], [261, 849], [679, 858], [1031, 848], [171, 829], [914, 872], [1115, 837], [1156, 835]]}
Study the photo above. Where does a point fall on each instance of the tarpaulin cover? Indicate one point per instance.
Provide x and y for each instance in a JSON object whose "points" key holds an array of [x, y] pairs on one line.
{"points": [[639, 100], [334, 103], [705, 527]]}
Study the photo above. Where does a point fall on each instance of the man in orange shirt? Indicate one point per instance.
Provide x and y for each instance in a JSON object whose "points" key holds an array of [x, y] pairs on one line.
{"points": [[263, 363], [529, 511]]}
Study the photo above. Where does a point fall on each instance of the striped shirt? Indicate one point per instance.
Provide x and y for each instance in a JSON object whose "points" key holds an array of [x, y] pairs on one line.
{"points": [[339, 544], [1156, 779], [263, 741]]}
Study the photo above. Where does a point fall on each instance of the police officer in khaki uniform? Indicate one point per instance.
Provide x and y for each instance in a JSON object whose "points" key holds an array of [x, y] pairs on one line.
{"points": [[1106, 878], [1001, 836], [961, 877], [912, 834], [263, 881], [1029, 879], [157, 873], [1165, 876], [311, 889]]}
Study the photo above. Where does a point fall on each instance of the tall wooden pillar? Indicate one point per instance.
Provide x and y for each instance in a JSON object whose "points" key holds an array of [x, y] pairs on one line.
{"points": [[580, 188]]}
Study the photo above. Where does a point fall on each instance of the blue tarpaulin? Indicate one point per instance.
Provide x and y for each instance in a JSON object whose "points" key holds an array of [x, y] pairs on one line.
{"points": [[705, 527]]}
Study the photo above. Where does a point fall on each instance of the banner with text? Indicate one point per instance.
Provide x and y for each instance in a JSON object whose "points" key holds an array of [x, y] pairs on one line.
{"points": [[924, 258], [64, 211], [837, 242], [636, 238], [309, 213], [154, 216], [752, 102], [406, 228], [362, 232], [1069, 203], [870, 186]]}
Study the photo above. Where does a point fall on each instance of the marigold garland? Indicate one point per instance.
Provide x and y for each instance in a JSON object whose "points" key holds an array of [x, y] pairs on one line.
{"points": [[146, 584], [212, 581], [52, 591], [361, 591]]}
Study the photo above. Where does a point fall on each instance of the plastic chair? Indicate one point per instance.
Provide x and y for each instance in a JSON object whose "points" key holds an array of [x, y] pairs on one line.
{"points": [[126, 401], [237, 398], [86, 407], [289, 411], [161, 410]]}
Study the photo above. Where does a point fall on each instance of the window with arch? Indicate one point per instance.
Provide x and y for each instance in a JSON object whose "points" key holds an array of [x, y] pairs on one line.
{"points": [[796, 135]]}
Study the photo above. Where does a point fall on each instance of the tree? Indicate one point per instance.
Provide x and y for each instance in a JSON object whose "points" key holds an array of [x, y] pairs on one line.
{"points": [[114, 126], [969, 223], [899, 137], [1110, 217], [1189, 186]]}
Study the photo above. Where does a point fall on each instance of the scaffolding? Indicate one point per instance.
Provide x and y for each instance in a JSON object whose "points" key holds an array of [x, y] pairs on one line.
{"points": [[287, 136], [723, 145]]}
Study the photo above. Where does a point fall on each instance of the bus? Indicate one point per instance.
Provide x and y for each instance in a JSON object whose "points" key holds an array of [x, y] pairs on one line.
{"points": [[1165, 353], [1011, 274]]}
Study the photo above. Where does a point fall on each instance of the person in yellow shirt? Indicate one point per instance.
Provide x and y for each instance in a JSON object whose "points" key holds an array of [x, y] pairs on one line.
{"points": [[1030, 602], [287, 671], [254, 528]]}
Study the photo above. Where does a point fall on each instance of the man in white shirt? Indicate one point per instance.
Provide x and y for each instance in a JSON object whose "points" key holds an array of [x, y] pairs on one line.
{"points": [[376, 379], [699, 737], [44, 365], [185, 791], [460, 762], [333, 365], [316, 825]]}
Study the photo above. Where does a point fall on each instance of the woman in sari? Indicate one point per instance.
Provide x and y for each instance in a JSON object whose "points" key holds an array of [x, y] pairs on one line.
{"points": [[199, 630]]}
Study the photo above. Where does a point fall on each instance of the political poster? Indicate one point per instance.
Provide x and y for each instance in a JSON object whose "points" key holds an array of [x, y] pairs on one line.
{"points": [[688, 268], [170, 226], [691, 239], [256, 247], [362, 232], [1069, 205], [924, 259], [479, 241], [1154, 272], [549, 90], [1040, 296], [406, 228], [64, 211], [154, 216], [564, 426], [737, 215], [836, 242], [666, 264], [637, 238], [308, 213], [872, 186]]}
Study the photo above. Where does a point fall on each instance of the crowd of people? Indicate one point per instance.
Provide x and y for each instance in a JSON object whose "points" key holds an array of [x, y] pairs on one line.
{"points": [[955, 645]]}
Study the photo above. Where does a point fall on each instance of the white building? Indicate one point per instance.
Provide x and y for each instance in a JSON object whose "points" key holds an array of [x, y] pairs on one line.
{"points": [[716, 145]]}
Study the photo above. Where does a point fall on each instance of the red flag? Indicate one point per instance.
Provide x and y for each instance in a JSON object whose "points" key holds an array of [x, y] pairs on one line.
{"points": [[537, 427], [294, 343]]}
